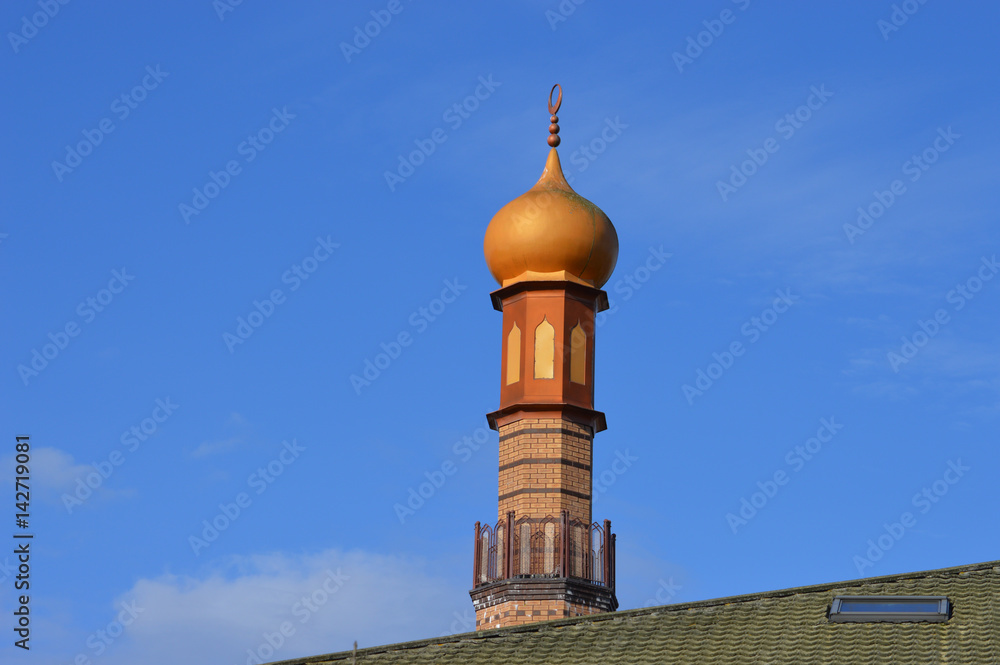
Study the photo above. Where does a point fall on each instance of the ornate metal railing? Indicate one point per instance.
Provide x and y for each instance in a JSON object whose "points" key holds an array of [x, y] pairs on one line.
{"points": [[549, 547]]}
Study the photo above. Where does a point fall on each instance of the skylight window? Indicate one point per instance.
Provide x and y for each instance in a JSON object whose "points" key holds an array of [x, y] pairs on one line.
{"points": [[857, 609]]}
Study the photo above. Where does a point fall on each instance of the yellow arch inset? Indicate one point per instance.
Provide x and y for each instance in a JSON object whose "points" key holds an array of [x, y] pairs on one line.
{"points": [[545, 350], [578, 355], [514, 355]]}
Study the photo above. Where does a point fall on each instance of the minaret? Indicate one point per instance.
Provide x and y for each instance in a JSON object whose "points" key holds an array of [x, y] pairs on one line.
{"points": [[551, 251]]}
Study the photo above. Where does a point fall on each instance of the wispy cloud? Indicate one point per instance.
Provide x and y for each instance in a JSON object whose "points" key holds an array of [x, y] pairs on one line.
{"points": [[218, 446], [235, 421], [55, 473], [56, 470], [956, 370]]}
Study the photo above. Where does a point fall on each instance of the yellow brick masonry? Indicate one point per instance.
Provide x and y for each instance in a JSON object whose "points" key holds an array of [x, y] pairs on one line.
{"points": [[517, 613], [538, 458]]}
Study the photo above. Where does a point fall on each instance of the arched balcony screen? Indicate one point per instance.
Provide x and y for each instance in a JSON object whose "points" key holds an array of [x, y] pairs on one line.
{"points": [[550, 547]]}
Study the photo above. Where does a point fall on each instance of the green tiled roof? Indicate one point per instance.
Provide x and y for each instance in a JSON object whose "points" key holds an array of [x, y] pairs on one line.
{"points": [[776, 627]]}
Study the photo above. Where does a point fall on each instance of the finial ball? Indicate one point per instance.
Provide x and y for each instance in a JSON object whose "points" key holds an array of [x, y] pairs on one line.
{"points": [[554, 140]]}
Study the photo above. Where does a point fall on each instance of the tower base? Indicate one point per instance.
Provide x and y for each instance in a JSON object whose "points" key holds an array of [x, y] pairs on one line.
{"points": [[517, 601]]}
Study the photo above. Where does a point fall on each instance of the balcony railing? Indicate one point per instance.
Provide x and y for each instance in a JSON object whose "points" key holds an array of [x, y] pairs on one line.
{"points": [[552, 547]]}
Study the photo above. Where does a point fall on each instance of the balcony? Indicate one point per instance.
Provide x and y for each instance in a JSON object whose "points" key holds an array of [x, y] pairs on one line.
{"points": [[552, 547]]}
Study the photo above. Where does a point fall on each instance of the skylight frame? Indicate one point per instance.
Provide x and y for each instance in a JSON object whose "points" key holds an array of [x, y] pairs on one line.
{"points": [[838, 615]]}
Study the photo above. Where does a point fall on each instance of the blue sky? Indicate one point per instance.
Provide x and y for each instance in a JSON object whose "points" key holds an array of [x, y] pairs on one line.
{"points": [[170, 171]]}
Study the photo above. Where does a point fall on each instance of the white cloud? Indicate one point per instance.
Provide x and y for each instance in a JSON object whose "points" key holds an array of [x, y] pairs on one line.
{"points": [[235, 606], [56, 477], [56, 470]]}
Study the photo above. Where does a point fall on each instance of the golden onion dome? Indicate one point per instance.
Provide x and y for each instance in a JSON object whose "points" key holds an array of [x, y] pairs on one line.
{"points": [[550, 232]]}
